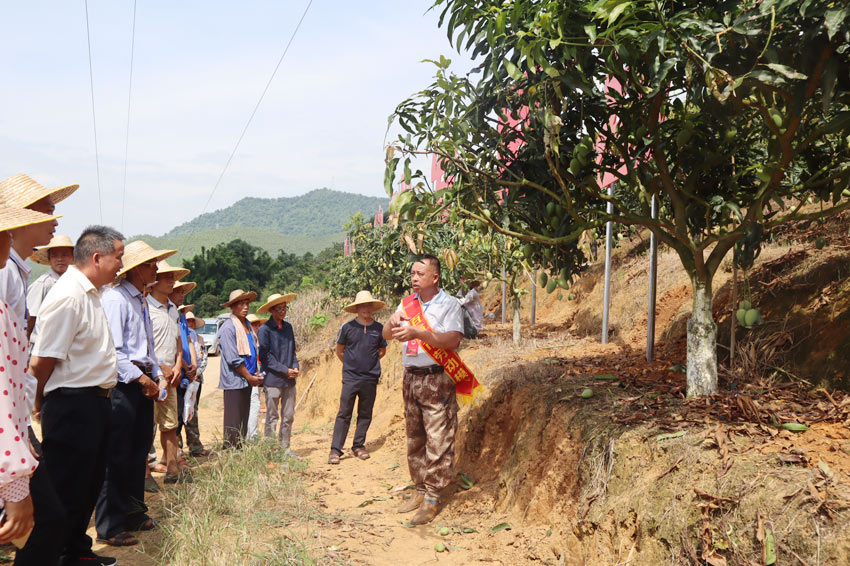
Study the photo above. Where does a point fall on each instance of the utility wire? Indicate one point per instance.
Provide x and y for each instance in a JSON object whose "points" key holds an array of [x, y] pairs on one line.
{"points": [[129, 99], [93, 115], [268, 84]]}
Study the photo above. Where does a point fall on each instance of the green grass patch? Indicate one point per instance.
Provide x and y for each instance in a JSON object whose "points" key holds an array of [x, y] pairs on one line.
{"points": [[238, 511]]}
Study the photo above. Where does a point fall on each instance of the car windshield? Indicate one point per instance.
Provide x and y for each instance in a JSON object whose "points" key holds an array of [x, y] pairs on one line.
{"points": [[208, 328]]}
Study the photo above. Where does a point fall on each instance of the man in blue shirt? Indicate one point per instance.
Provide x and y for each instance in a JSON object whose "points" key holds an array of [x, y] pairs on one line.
{"points": [[280, 365], [121, 505], [360, 347], [239, 372]]}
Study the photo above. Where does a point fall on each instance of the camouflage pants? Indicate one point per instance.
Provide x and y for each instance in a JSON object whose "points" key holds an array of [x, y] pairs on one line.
{"points": [[430, 416]]}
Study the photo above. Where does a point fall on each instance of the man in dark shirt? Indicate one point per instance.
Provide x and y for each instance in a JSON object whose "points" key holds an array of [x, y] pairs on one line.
{"points": [[360, 347], [280, 366]]}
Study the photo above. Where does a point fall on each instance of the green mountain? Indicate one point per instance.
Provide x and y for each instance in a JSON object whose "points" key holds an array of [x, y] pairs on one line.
{"points": [[307, 223], [317, 213], [189, 245]]}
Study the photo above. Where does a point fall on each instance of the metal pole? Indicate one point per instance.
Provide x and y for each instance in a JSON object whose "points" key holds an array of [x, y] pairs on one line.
{"points": [[504, 294], [533, 296], [609, 227], [653, 280]]}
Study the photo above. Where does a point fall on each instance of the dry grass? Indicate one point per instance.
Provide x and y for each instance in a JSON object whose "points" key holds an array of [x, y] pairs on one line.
{"points": [[309, 303], [237, 511]]}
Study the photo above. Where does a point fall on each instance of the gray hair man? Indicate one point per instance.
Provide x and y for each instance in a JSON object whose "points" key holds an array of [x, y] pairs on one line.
{"points": [[75, 364]]}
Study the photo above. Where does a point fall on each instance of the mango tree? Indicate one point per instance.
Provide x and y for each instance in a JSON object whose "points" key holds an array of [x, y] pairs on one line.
{"points": [[732, 114]]}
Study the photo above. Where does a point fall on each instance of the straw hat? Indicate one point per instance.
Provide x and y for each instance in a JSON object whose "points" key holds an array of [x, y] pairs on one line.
{"points": [[274, 300], [194, 323], [252, 318], [163, 267], [363, 298], [239, 295], [185, 308], [13, 217], [189, 284], [58, 241], [22, 191], [139, 252]]}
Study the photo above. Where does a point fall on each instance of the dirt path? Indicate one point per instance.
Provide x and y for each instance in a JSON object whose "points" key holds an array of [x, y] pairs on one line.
{"points": [[364, 496], [358, 501]]}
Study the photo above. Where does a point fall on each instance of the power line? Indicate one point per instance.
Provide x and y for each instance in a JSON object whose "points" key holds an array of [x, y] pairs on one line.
{"points": [[129, 99], [93, 115], [268, 84]]}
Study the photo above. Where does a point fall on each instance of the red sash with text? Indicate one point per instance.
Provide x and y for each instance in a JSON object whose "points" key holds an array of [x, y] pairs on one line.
{"points": [[466, 386]]}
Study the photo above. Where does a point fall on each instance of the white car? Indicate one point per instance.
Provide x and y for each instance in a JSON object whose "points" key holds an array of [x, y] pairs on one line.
{"points": [[208, 333]]}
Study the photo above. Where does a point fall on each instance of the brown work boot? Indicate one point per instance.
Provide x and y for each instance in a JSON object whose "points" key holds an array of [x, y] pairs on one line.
{"points": [[427, 511], [412, 504]]}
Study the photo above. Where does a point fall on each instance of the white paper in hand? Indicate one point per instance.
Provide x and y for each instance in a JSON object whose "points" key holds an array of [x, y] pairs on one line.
{"points": [[189, 401]]}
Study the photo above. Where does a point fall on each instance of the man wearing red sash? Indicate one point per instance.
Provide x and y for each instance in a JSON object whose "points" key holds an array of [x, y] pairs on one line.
{"points": [[430, 323]]}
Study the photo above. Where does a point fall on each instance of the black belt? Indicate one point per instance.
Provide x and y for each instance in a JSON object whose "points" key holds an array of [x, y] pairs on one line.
{"points": [[427, 370], [93, 390]]}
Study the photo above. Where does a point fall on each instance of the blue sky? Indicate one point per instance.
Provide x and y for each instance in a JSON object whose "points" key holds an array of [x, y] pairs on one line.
{"points": [[198, 72]]}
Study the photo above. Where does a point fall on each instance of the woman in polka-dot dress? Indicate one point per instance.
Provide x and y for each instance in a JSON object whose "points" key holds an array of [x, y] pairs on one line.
{"points": [[17, 462]]}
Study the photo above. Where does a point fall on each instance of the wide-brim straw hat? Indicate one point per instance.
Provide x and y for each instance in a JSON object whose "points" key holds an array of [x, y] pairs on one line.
{"points": [[139, 252], [189, 284], [276, 299], [365, 298], [58, 241], [185, 308], [163, 267], [239, 295], [21, 190], [252, 318], [194, 322], [12, 217]]}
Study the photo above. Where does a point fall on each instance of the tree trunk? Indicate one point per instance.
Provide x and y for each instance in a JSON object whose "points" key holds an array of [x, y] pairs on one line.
{"points": [[702, 342], [516, 320]]}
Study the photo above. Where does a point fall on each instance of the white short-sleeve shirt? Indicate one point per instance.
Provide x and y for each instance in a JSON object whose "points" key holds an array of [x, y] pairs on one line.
{"points": [[165, 330], [72, 327], [38, 290], [444, 314]]}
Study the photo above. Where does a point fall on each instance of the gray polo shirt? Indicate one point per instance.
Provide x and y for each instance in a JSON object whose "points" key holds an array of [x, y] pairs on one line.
{"points": [[444, 314]]}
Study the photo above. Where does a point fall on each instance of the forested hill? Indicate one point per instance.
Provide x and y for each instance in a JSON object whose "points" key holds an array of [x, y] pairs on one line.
{"points": [[320, 212], [307, 223]]}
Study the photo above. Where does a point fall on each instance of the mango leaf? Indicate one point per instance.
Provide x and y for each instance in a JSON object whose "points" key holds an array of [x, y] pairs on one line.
{"points": [[833, 19], [500, 527], [769, 549], [787, 71], [670, 435], [513, 71]]}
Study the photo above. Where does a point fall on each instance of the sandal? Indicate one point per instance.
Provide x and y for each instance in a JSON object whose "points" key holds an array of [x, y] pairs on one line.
{"points": [[121, 539], [160, 468], [361, 453], [200, 453], [333, 458]]}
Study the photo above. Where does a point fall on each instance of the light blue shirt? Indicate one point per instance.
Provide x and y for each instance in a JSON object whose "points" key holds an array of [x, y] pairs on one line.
{"points": [[132, 332], [229, 377]]}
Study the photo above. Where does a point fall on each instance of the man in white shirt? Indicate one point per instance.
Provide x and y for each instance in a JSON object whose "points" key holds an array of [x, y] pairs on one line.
{"points": [[76, 367], [168, 347], [58, 255], [471, 303], [430, 403]]}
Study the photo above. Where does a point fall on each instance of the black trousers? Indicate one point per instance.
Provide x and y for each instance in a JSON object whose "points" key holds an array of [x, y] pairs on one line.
{"points": [[121, 503], [75, 432], [364, 391], [237, 406], [44, 545]]}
